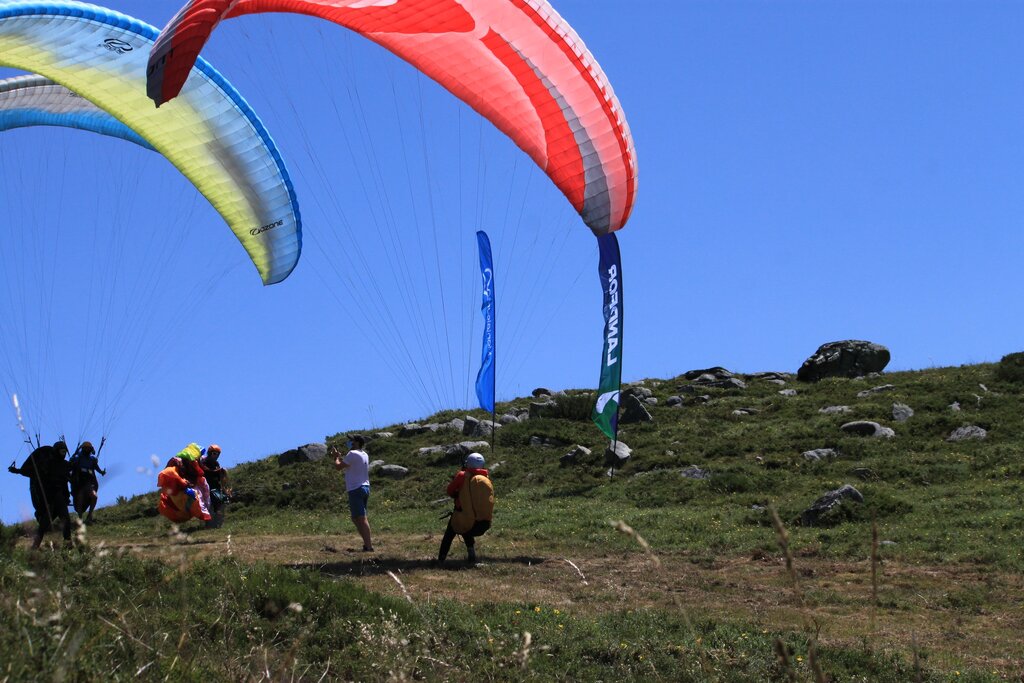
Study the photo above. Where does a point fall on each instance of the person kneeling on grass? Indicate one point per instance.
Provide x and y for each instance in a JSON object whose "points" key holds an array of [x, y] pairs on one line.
{"points": [[356, 464], [474, 507]]}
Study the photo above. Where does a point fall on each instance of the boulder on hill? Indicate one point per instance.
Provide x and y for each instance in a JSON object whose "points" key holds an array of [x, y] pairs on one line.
{"points": [[634, 411], [574, 456], [850, 358], [311, 452], [716, 373], [617, 455], [812, 515], [967, 433]]}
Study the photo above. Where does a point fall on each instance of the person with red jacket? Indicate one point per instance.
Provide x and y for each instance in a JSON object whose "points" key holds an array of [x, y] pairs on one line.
{"points": [[474, 465]]}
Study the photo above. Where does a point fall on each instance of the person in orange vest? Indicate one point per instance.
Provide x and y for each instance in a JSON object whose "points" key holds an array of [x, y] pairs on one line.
{"points": [[474, 507], [179, 499]]}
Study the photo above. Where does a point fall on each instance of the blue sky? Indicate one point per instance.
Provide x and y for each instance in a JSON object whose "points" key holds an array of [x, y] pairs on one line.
{"points": [[809, 172]]}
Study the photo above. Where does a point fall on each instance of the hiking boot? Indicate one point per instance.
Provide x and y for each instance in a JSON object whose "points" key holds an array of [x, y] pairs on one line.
{"points": [[472, 557]]}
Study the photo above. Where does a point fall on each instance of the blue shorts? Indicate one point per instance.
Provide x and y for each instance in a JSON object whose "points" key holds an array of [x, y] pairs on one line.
{"points": [[357, 499]]}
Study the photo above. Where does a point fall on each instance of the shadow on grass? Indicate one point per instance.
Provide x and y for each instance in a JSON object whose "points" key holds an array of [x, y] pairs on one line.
{"points": [[371, 566]]}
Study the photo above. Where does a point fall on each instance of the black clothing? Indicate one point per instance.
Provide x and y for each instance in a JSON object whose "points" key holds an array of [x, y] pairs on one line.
{"points": [[479, 529], [48, 474]]}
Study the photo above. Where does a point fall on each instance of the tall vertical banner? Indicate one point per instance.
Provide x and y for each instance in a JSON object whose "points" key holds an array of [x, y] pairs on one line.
{"points": [[485, 378], [606, 410]]}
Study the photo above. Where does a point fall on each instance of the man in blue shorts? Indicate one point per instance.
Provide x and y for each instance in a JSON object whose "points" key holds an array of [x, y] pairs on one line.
{"points": [[356, 465]]}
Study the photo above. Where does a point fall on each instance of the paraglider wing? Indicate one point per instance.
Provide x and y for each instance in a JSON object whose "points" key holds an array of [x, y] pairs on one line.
{"points": [[37, 101], [210, 133], [516, 62]]}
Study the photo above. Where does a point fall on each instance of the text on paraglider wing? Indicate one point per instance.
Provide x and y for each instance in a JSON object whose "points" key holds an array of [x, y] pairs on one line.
{"points": [[268, 226], [116, 45], [612, 331]]}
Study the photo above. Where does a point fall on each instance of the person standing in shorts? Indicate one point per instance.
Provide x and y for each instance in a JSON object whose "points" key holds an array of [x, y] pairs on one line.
{"points": [[356, 464]]}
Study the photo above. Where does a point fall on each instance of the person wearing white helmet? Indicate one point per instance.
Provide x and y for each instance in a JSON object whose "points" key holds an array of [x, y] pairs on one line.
{"points": [[474, 506]]}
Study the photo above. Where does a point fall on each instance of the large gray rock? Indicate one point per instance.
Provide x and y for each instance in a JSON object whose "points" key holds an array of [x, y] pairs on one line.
{"points": [[813, 514], [850, 358], [967, 433], [311, 452], [617, 454], [454, 425], [382, 435], [430, 450], [541, 391], [867, 428], [787, 392], [483, 428], [674, 401], [508, 419], [634, 411], [393, 471], [716, 373], [374, 465], [468, 425], [640, 392], [459, 451], [901, 412]]}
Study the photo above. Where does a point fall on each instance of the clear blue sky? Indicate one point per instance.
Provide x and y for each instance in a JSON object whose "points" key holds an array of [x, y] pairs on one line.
{"points": [[809, 171]]}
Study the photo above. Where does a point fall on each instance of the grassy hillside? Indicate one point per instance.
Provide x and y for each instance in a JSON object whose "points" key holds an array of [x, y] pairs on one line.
{"points": [[711, 600]]}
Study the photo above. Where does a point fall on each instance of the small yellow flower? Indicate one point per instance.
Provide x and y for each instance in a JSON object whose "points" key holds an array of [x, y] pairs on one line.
{"points": [[799, 659], [558, 611], [519, 611], [561, 626], [536, 609]]}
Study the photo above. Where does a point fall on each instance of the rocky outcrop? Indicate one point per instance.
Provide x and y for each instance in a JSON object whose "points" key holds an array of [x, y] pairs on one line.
{"points": [[634, 411], [812, 515], [850, 358], [820, 454], [311, 452]]}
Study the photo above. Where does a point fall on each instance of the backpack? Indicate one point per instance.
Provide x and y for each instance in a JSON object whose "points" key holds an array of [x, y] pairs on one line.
{"points": [[476, 498]]}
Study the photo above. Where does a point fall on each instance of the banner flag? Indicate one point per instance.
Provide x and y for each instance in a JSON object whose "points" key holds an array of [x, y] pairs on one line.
{"points": [[485, 378], [606, 409]]}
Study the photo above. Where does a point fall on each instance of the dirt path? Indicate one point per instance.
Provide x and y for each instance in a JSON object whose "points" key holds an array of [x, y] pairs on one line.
{"points": [[957, 614]]}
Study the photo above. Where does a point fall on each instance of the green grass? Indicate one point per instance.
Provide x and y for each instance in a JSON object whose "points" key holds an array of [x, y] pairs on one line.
{"points": [[942, 504]]}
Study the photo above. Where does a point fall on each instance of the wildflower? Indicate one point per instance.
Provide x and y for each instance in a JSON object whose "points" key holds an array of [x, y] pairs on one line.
{"points": [[537, 609], [519, 611], [558, 611], [799, 659]]}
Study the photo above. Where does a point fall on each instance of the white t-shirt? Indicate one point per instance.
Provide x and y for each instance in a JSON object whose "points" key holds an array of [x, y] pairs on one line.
{"points": [[358, 472]]}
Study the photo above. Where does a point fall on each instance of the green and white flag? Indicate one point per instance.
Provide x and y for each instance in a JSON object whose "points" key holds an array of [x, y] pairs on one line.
{"points": [[606, 410]]}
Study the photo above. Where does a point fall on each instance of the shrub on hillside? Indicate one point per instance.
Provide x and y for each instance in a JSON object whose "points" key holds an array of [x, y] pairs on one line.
{"points": [[1011, 367]]}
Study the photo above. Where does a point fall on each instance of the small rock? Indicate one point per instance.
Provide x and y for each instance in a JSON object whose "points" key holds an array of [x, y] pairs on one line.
{"points": [[835, 410], [875, 390], [651, 401], [383, 435], [820, 454], [694, 472], [955, 406], [411, 429], [541, 391], [430, 450], [673, 401], [574, 456], [887, 543], [901, 412], [870, 429], [508, 419], [787, 392], [536, 441], [966, 433], [776, 382], [375, 464]]}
